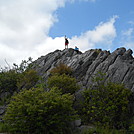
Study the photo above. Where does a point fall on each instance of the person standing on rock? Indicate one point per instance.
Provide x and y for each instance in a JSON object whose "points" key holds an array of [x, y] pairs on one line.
{"points": [[66, 42], [76, 49]]}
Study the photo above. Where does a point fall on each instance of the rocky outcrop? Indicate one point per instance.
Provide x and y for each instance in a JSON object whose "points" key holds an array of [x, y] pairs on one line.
{"points": [[118, 65]]}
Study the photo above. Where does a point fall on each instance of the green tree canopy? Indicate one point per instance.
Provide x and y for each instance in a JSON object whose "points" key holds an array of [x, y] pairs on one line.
{"points": [[64, 82], [27, 79], [8, 81], [37, 111], [107, 104]]}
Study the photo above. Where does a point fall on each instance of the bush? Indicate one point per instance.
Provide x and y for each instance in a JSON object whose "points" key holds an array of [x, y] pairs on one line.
{"points": [[131, 128], [108, 105], [101, 130], [27, 79], [12, 77], [8, 81], [64, 82], [61, 69], [12, 81], [37, 111], [8, 84], [3, 127]]}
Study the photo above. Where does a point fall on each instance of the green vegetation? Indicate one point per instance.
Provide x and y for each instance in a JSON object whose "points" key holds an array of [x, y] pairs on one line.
{"points": [[99, 130], [37, 111], [15, 79], [64, 82], [8, 81], [33, 110], [62, 79], [107, 104], [27, 79], [61, 69], [8, 85], [47, 108]]}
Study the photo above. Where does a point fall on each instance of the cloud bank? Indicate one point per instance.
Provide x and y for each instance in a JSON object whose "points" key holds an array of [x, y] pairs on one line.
{"points": [[128, 38], [103, 34], [24, 28]]}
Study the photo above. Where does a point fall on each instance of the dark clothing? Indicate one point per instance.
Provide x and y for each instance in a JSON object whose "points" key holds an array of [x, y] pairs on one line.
{"points": [[66, 42]]}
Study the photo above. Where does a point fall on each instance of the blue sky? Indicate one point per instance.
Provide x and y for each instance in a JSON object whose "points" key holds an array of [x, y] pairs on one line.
{"points": [[80, 16], [37, 27]]}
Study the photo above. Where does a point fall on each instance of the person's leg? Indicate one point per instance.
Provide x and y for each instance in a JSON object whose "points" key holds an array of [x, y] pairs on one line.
{"points": [[66, 45]]}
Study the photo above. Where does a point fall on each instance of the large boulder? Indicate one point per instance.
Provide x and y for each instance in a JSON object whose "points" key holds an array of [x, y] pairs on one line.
{"points": [[118, 65]]}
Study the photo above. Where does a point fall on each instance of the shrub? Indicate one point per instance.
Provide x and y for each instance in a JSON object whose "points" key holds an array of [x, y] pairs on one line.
{"points": [[107, 105], [61, 69], [3, 127], [64, 82], [27, 79], [8, 84], [101, 130], [8, 81], [37, 111], [10, 76]]}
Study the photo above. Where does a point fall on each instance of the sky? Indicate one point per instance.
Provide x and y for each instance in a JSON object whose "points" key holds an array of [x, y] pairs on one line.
{"points": [[33, 28]]}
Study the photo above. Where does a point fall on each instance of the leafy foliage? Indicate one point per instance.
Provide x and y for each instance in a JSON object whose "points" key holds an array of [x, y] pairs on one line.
{"points": [[62, 79], [15, 78], [37, 111], [107, 104], [27, 79], [8, 81], [64, 82], [61, 69], [8, 84], [102, 130]]}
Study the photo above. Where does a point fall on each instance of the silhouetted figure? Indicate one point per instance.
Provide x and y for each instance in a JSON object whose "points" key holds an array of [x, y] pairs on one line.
{"points": [[76, 49], [66, 42]]}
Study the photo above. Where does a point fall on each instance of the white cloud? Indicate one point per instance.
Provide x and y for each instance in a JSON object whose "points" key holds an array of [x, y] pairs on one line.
{"points": [[128, 32], [25, 19], [129, 44], [131, 22], [128, 38], [103, 34], [88, 0], [82, 0], [25, 24]]}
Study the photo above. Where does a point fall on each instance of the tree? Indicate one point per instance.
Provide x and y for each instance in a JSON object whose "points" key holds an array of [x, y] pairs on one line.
{"points": [[8, 85], [8, 81], [15, 78], [64, 82], [61, 77], [37, 111], [27, 79], [107, 104]]}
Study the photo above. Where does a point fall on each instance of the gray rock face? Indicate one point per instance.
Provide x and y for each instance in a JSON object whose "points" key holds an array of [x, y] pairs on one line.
{"points": [[118, 65]]}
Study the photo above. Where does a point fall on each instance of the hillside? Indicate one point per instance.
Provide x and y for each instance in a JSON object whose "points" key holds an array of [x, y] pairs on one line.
{"points": [[102, 104], [118, 65]]}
